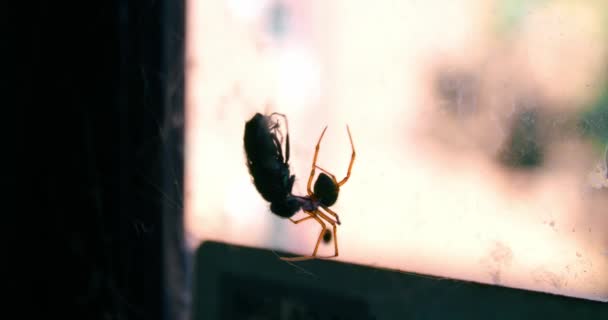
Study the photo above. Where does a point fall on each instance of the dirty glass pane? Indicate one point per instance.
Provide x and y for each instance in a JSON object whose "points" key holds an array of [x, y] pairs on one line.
{"points": [[480, 129]]}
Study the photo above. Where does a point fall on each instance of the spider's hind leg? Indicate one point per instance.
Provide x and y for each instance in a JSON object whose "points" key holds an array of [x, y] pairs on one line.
{"points": [[314, 253], [333, 224], [315, 215]]}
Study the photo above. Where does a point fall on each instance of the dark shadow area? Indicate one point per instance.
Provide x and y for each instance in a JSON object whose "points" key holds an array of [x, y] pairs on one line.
{"points": [[104, 89], [233, 282]]}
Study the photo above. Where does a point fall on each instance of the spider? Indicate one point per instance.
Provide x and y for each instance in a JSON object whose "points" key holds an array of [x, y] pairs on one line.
{"points": [[322, 196], [272, 178]]}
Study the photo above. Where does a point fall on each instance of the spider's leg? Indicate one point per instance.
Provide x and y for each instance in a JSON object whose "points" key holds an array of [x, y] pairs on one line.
{"points": [[333, 223], [352, 159], [332, 213], [314, 164], [298, 221], [314, 253]]}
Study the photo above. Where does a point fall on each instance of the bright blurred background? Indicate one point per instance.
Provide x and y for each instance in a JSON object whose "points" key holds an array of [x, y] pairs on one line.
{"points": [[480, 129]]}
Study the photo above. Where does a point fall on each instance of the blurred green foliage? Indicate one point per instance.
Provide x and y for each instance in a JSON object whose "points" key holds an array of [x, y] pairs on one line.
{"points": [[523, 149], [593, 122], [510, 13]]}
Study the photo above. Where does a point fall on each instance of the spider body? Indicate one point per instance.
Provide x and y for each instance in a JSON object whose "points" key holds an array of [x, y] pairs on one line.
{"points": [[267, 164], [273, 180], [325, 193], [326, 190]]}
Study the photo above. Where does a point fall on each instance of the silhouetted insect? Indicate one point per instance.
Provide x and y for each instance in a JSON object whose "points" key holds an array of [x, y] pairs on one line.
{"points": [[273, 180], [267, 164]]}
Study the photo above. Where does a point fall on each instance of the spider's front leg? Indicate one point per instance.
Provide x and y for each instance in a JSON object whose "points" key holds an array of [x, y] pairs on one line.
{"points": [[314, 164], [352, 158]]}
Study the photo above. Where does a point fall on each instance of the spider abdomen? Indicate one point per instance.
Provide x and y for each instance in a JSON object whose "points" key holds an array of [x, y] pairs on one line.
{"points": [[326, 190]]}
